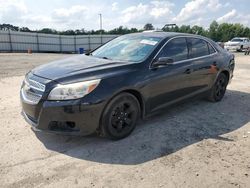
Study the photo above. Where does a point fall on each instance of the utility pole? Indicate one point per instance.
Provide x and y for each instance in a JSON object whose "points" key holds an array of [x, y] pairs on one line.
{"points": [[100, 23], [101, 27]]}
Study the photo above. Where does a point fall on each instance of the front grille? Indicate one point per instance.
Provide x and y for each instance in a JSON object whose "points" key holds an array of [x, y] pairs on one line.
{"points": [[32, 91], [233, 45], [31, 97], [35, 85]]}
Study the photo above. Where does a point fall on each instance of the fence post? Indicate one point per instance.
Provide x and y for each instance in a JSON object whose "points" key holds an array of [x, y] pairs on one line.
{"points": [[89, 43], [75, 43], [60, 43], [11, 47], [37, 43]]}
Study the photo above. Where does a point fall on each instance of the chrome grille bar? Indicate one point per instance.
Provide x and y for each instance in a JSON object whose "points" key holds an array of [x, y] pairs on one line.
{"points": [[35, 85], [29, 93], [30, 97]]}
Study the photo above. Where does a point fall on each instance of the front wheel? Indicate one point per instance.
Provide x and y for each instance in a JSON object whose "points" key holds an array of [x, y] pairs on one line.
{"points": [[241, 49], [120, 116], [219, 89]]}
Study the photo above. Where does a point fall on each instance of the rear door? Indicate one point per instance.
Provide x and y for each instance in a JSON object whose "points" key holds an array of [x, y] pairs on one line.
{"points": [[204, 63]]}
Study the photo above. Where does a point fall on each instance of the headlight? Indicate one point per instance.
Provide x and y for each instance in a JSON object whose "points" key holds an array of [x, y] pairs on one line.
{"points": [[73, 91]]}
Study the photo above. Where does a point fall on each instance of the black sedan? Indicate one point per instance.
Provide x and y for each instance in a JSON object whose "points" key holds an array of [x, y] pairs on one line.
{"points": [[130, 77]]}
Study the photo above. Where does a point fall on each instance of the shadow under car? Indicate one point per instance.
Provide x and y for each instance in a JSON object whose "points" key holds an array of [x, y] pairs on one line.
{"points": [[162, 134]]}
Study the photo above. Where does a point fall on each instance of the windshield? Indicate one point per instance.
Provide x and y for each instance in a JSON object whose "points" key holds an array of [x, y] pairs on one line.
{"points": [[237, 40], [127, 48]]}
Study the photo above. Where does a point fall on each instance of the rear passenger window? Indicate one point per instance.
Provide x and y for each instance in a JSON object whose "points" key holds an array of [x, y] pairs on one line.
{"points": [[175, 49], [197, 48], [211, 49]]}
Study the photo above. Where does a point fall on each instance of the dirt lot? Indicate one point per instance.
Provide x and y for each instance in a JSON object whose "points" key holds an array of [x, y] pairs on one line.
{"points": [[196, 144]]}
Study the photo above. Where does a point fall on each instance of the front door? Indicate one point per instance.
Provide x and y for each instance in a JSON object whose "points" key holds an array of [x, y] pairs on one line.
{"points": [[173, 82]]}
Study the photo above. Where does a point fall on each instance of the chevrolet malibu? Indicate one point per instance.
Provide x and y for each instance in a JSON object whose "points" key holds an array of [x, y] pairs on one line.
{"points": [[128, 78]]}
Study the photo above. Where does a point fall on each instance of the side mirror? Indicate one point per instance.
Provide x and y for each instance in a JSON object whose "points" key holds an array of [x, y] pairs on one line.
{"points": [[163, 61]]}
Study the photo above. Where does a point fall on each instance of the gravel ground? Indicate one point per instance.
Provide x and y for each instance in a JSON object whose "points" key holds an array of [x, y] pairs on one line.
{"points": [[17, 64], [196, 144]]}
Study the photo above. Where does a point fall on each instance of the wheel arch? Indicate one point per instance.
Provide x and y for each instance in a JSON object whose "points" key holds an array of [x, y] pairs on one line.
{"points": [[133, 92], [226, 72], [140, 99]]}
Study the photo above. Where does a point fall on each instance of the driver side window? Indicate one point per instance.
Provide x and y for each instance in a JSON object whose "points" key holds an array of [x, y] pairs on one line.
{"points": [[175, 49]]}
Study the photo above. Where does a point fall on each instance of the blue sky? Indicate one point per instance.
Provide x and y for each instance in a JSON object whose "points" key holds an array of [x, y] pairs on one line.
{"points": [[77, 14]]}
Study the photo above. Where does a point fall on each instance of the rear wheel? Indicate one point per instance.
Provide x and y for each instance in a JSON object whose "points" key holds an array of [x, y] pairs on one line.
{"points": [[120, 116], [219, 89]]}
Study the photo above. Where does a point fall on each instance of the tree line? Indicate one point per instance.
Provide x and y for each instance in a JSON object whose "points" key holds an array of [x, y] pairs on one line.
{"points": [[219, 32]]}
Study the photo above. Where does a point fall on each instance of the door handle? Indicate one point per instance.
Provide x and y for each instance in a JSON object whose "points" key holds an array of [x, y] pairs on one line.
{"points": [[188, 71]]}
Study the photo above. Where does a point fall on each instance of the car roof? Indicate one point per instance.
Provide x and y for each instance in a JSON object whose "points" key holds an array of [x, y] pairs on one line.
{"points": [[162, 34], [240, 38], [169, 35]]}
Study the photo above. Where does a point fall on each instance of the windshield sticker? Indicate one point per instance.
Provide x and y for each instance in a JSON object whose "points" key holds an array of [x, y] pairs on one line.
{"points": [[149, 42]]}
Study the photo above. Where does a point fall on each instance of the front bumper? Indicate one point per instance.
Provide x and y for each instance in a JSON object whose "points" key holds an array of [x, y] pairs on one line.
{"points": [[232, 48], [73, 117]]}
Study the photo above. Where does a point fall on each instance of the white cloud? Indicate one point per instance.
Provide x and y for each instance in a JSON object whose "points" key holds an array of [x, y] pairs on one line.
{"points": [[156, 12], [227, 17], [70, 12], [69, 17], [195, 9], [161, 8], [12, 11], [14, 4], [213, 5], [134, 13], [235, 17], [227, 4], [114, 6]]}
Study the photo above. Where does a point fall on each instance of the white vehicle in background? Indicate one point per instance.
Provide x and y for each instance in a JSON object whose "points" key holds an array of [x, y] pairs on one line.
{"points": [[237, 44]]}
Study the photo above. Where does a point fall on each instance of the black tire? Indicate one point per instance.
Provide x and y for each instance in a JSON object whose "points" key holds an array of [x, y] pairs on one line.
{"points": [[120, 116], [241, 49], [219, 89]]}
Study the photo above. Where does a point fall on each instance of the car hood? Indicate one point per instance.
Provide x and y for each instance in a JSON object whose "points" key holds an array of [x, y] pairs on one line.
{"points": [[74, 65]]}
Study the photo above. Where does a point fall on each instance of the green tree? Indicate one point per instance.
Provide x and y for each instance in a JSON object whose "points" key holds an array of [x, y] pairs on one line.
{"points": [[148, 26], [198, 30], [218, 32], [246, 32], [48, 31], [185, 29], [213, 31], [68, 32], [80, 32], [25, 29], [9, 27]]}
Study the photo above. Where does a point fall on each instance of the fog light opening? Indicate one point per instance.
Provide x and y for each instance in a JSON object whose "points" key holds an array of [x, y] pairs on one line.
{"points": [[67, 126], [70, 124]]}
